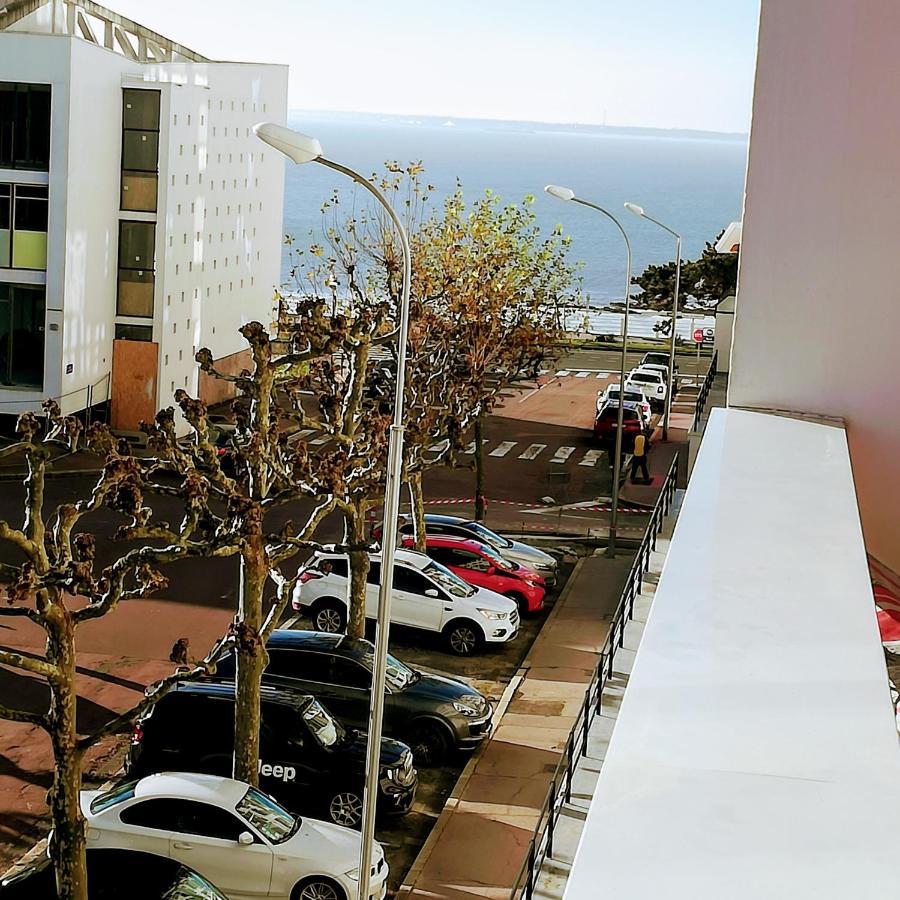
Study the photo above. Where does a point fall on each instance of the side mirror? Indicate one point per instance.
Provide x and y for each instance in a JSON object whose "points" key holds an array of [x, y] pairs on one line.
{"points": [[245, 838], [431, 592]]}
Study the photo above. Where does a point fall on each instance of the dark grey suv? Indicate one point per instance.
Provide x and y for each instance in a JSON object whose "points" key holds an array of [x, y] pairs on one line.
{"points": [[432, 714]]}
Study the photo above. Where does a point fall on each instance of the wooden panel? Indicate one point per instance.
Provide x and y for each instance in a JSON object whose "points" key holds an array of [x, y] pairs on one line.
{"points": [[133, 391]]}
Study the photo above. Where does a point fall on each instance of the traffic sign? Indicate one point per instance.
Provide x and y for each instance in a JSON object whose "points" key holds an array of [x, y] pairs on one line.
{"points": [[698, 336]]}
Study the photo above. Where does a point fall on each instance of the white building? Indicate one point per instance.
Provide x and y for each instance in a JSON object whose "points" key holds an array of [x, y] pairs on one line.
{"points": [[140, 218]]}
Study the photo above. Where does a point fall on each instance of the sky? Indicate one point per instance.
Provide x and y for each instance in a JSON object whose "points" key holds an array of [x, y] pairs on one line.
{"points": [[651, 63]]}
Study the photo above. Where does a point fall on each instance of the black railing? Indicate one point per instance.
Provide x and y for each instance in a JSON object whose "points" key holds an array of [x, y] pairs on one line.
{"points": [[560, 790], [705, 388]]}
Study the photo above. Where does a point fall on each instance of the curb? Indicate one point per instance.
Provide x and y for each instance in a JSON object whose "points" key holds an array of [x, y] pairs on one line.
{"points": [[409, 882]]}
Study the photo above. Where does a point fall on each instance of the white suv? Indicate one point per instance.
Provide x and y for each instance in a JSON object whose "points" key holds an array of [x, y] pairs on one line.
{"points": [[426, 595], [652, 382]]}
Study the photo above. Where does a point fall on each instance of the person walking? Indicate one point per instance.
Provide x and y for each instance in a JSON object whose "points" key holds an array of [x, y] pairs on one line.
{"points": [[639, 458]]}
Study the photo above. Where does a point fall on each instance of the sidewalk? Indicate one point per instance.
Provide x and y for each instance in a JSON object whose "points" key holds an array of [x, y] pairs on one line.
{"points": [[481, 838], [82, 463]]}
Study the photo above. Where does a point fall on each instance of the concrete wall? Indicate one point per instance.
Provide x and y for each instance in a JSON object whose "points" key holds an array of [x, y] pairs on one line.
{"points": [[818, 309]]}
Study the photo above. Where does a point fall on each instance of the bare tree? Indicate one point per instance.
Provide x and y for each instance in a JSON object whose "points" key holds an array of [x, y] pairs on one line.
{"points": [[55, 583]]}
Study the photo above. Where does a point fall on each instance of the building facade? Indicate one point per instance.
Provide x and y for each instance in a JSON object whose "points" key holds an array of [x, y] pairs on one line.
{"points": [[140, 218]]}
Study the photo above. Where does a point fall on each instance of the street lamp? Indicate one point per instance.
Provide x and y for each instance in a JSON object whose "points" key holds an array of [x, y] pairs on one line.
{"points": [[302, 149], [639, 211], [564, 193]]}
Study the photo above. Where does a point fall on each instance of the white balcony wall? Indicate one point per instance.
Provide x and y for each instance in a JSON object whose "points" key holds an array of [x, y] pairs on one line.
{"points": [[818, 309]]}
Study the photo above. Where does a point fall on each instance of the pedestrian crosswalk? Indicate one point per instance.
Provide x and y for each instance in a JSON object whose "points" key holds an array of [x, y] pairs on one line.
{"points": [[534, 452]]}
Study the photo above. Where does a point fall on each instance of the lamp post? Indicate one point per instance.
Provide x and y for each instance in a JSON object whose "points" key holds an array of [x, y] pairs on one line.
{"points": [[564, 193], [639, 211], [302, 149]]}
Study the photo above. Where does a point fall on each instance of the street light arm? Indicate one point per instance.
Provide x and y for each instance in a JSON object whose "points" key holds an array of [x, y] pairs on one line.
{"points": [[613, 219]]}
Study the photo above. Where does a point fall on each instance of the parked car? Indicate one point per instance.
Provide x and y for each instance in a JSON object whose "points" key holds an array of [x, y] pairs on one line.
{"points": [[432, 714], [656, 367], [633, 394], [607, 423], [235, 835], [653, 384], [425, 595], [115, 875], [515, 551], [658, 358], [483, 566], [308, 759]]}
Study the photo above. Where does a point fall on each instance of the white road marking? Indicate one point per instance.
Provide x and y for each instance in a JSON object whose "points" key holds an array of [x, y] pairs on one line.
{"points": [[291, 622], [562, 454], [322, 439], [471, 448], [543, 371], [582, 374], [604, 374], [439, 447], [532, 451], [503, 448], [591, 457], [562, 372]]}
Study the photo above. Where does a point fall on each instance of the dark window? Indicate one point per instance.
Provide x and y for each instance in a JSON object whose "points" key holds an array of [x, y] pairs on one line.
{"points": [[406, 579], [21, 335], [140, 149], [136, 265], [24, 126], [160, 814], [5, 226], [338, 566], [374, 576], [349, 673], [446, 556], [298, 664], [472, 561], [134, 332]]}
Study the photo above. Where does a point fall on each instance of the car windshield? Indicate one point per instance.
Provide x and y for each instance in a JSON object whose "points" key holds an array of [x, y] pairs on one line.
{"points": [[646, 377], [118, 794], [326, 730], [192, 886], [398, 674], [491, 538], [496, 559], [274, 822], [447, 580]]}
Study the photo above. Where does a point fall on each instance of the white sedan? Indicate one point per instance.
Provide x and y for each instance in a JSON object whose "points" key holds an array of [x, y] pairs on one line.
{"points": [[234, 835]]}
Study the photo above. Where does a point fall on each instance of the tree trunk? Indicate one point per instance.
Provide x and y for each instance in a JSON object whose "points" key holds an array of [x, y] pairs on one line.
{"points": [[479, 469], [68, 849], [359, 572], [251, 662], [417, 501]]}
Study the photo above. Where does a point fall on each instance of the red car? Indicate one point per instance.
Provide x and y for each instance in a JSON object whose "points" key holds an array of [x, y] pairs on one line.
{"points": [[478, 564], [608, 420]]}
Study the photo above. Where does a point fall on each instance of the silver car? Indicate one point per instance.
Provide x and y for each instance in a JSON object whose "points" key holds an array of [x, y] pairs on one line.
{"points": [[514, 551]]}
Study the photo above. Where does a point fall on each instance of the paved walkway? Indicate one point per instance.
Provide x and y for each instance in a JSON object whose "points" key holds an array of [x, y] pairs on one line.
{"points": [[481, 838]]}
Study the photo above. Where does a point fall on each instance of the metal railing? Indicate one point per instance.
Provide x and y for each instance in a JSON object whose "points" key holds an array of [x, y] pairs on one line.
{"points": [[705, 388], [560, 791]]}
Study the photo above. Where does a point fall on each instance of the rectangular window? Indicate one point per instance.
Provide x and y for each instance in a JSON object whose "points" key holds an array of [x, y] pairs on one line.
{"points": [[24, 126], [140, 149], [125, 332], [29, 227], [21, 335], [5, 226], [136, 269]]}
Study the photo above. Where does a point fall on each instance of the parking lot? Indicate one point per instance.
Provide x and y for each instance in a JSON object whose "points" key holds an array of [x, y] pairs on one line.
{"points": [[489, 673]]}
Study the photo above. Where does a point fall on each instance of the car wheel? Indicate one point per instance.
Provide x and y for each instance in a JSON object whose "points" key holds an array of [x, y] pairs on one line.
{"points": [[464, 638], [429, 744], [318, 888], [521, 601], [345, 808], [329, 615]]}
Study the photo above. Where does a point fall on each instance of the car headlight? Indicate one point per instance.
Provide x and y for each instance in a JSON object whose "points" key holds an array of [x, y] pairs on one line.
{"points": [[545, 567], [353, 874], [491, 614], [469, 706]]}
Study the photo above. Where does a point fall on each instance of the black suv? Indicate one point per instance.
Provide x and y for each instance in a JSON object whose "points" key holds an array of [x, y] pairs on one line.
{"points": [[431, 713], [308, 759]]}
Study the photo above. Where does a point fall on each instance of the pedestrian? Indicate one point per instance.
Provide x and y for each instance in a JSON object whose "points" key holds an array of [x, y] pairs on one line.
{"points": [[639, 458]]}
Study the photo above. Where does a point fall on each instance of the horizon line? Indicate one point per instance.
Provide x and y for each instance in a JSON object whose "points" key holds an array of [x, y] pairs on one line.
{"points": [[674, 128]]}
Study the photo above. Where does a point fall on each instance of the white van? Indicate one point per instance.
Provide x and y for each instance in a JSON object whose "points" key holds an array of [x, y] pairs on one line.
{"points": [[426, 595]]}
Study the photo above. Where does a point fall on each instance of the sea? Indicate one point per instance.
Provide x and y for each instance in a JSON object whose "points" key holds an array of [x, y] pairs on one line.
{"points": [[692, 181]]}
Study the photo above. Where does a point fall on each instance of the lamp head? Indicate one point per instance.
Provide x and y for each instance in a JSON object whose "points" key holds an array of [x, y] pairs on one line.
{"points": [[634, 208], [561, 193], [295, 146]]}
